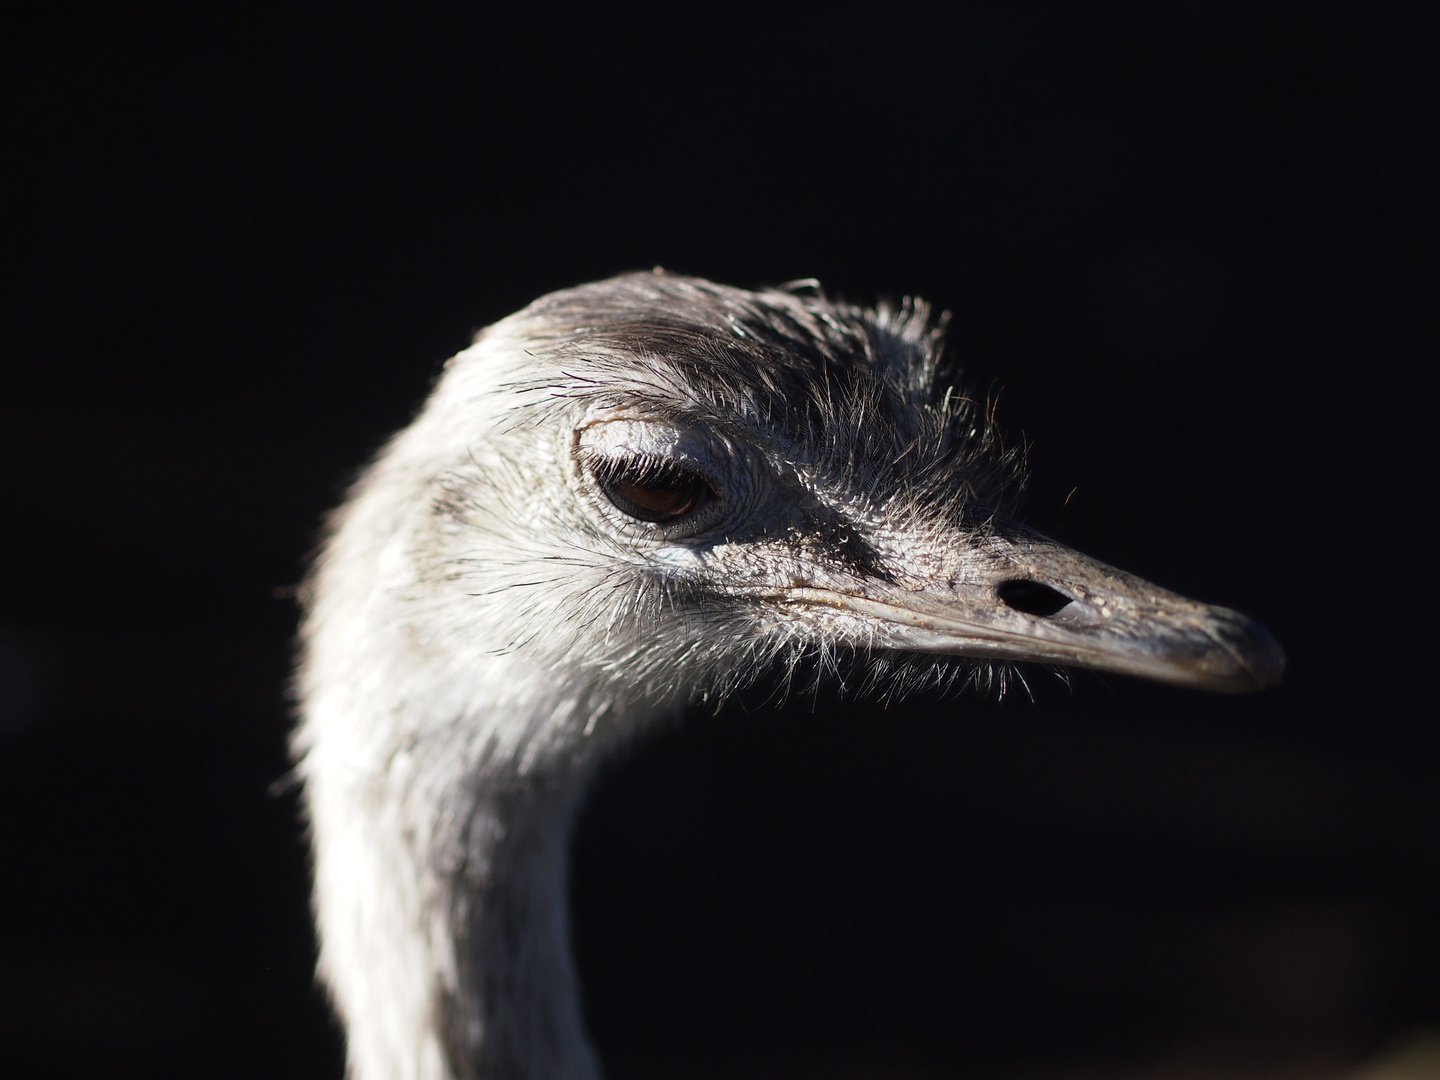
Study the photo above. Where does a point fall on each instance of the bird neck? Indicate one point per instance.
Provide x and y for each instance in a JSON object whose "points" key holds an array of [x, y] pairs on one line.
{"points": [[513, 1008], [441, 886]]}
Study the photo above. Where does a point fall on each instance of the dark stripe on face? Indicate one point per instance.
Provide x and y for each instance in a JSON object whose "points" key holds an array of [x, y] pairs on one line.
{"points": [[827, 537]]}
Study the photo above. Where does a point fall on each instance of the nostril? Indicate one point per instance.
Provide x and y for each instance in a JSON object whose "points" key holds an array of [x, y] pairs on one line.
{"points": [[1031, 597]]}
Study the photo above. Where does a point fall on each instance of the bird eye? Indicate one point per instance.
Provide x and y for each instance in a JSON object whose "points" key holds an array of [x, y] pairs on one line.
{"points": [[656, 495]]}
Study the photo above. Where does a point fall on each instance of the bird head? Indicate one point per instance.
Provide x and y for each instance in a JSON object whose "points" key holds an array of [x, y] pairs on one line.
{"points": [[673, 485]]}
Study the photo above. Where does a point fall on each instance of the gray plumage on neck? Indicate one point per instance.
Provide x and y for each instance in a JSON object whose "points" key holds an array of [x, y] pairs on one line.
{"points": [[627, 497]]}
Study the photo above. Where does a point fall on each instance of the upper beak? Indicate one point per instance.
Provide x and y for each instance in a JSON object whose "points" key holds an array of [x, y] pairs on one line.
{"points": [[1025, 597]]}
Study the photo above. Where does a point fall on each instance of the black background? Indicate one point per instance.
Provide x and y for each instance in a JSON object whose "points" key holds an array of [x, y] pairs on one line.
{"points": [[1190, 245]]}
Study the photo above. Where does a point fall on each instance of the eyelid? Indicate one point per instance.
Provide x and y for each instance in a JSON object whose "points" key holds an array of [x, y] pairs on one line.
{"points": [[645, 465], [652, 475]]}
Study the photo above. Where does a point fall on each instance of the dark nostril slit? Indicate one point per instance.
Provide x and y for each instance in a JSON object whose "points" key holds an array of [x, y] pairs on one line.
{"points": [[1031, 597]]}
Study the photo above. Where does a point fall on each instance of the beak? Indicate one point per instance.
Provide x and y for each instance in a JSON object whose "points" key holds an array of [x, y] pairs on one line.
{"points": [[1025, 597]]}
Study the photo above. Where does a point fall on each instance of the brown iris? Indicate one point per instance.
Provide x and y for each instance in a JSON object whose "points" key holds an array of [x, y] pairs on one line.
{"points": [[655, 495]]}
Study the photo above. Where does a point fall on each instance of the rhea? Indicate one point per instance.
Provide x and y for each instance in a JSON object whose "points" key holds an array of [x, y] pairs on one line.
{"points": [[626, 498]]}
